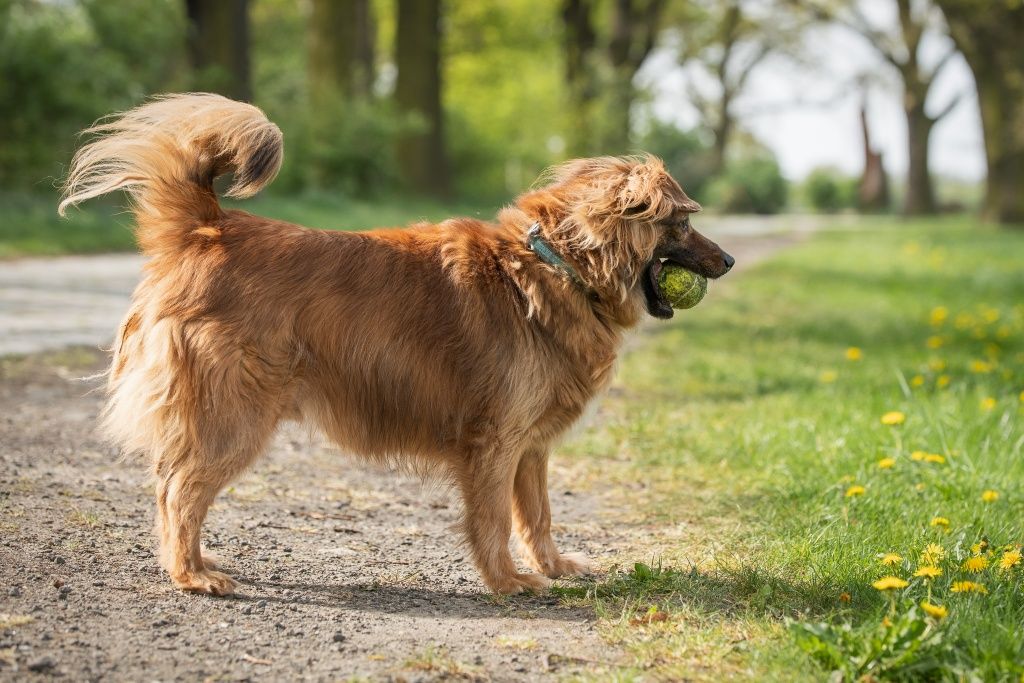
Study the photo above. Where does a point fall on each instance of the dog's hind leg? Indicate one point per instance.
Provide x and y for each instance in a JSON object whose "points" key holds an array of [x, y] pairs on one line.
{"points": [[217, 434], [486, 482], [533, 519]]}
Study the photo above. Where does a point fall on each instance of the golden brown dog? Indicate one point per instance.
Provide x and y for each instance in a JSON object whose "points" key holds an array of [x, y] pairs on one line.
{"points": [[455, 346]]}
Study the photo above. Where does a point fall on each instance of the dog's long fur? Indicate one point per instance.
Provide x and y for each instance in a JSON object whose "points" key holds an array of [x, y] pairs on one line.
{"points": [[451, 345]]}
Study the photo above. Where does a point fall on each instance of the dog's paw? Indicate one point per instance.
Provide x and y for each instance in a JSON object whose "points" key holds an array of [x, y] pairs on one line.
{"points": [[518, 583], [570, 564], [206, 581]]}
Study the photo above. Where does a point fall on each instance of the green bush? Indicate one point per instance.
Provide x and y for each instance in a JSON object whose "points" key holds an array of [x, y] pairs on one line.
{"points": [[752, 185], [827, 190], [687, 155]]}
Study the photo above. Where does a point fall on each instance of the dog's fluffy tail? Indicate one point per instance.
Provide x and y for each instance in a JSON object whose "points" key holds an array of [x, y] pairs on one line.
{"points": [[166, 153]]}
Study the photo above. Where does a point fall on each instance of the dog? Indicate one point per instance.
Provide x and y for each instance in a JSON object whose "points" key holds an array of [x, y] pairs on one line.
{"points": [[465, 348]]}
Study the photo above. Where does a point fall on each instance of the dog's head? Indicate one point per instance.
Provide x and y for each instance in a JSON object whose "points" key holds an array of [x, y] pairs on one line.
{"points": [[619, 219]]}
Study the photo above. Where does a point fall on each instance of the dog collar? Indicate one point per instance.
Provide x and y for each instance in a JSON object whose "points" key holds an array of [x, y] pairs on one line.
{"points": [[536, 243]]}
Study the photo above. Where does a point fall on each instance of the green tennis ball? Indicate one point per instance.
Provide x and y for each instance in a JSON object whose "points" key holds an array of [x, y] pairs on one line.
{"points": [[682, 288]]}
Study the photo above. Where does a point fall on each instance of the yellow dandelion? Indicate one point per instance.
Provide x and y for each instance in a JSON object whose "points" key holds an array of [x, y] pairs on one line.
{"points": [[1010, 559], [990, 496], [928, 571], [888, 583], [936, 364], [854, 353], [828, 376], [942, 381], [935, 458], [990, 315], [940, 522], [855, 490], [976, 564], [1021, 397], [935, 342], [917, 381], [968, 587], [979, 547], [920, 486], [845, 597], [890, 559], [988, 403], [933, 553], [1003, 332], [938, 315], [918, 455], [894, 417], [886, 463], [980, 367], [937, 611], [963, 321]]}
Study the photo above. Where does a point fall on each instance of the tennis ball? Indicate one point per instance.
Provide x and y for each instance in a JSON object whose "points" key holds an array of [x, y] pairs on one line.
{"points": [[682, 288]]}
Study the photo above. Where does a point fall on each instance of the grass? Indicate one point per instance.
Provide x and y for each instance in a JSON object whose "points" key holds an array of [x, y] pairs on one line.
{"points": [[739, 429], [30, 225]]}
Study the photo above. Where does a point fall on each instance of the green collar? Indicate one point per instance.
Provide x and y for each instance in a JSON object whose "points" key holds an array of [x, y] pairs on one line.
{"points": [[536, 243]]}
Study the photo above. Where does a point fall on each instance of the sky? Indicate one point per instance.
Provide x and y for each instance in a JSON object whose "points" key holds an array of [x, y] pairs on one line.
{"points": [[808, 113]]}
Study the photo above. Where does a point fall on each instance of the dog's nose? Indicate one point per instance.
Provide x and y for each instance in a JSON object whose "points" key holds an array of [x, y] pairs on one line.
{"points": [[729, 261]]}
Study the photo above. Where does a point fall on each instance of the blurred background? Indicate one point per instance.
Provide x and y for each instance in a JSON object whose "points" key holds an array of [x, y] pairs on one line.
{"points": [[758, 106]]}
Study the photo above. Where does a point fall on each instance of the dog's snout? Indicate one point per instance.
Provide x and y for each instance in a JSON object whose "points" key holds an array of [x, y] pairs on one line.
{"points": [[729, 261]]}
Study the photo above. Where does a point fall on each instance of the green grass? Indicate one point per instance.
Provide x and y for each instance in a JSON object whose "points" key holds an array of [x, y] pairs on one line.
{"points": [[30, 226], [744, 425]]}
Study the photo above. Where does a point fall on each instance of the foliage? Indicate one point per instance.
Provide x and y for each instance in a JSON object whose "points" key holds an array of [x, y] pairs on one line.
{"points": [[827, 190], [687, 155], [907, 647], [753, 185], [63, 65]]}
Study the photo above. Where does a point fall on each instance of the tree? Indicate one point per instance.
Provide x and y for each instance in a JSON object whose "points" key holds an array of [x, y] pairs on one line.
{"points": [[341, 49], [901, 49], [989, 32], [421, 155], [727, 42], [218, 38], [605, 64]]}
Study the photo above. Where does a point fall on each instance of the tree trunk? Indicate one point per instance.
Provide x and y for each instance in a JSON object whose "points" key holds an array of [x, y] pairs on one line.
{"points": [[723, 131], [873, 193], [218, 38], [989, 36], [579, 41], [422, 155], [920, 194], [341, 50]]}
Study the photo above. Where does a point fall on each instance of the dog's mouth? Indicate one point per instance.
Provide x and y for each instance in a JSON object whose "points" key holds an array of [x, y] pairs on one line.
{"points": [[657, 305]]}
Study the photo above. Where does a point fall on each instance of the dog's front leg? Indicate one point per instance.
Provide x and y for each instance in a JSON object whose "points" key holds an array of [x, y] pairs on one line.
{"points": [[533, 519], [486, 483]]}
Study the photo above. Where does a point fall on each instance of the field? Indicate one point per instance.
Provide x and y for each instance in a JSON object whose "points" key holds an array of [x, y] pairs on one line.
{"points": [[851, 410]]}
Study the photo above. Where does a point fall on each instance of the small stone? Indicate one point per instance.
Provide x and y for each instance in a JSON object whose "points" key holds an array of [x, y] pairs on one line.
{"points": [[59, 560], [247, 609], [57, 583], [339, 637], [42, 664], [14, 592], [64, 591]]}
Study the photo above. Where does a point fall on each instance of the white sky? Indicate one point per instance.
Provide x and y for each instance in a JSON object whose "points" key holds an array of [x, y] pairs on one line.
{"points": [[808, 114]]}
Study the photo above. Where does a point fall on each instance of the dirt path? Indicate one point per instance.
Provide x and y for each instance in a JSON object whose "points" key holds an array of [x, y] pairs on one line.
{"points": [[346, 571]]}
